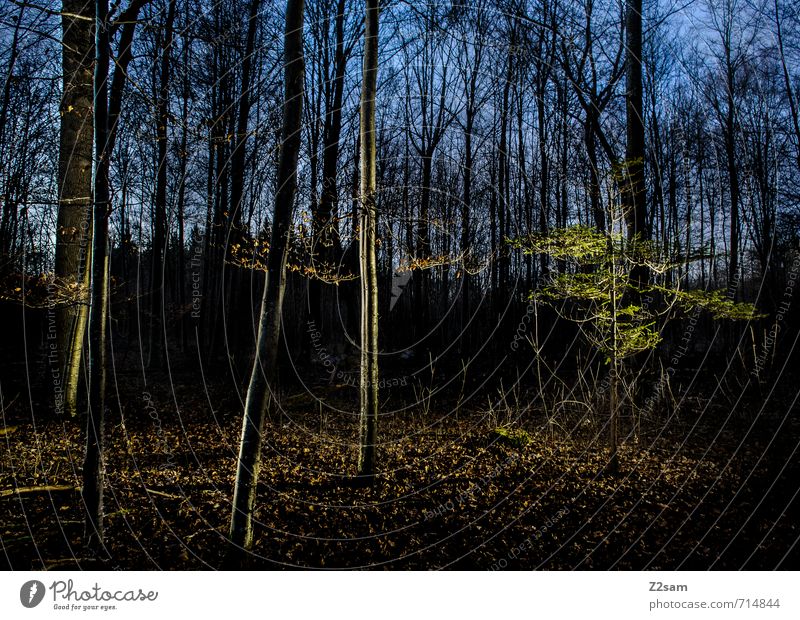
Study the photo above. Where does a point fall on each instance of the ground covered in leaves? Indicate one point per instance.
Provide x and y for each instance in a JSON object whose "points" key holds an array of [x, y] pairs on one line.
{"points": [[713, 486]]}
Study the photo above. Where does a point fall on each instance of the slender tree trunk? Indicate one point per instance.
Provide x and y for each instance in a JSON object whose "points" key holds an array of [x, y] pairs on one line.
{"points": [[502, 252], [701, 200], [74, 186], [74, 366], [224, 121], [326, 244], [423, 250], [240, 148], [93, 466], [260, 391], [598, 212], [236, 319], [729, 132], [787, 82], [13, 56], [544, 163], [6, 241], [634, 195], [525, 204], [106, 112], [181, 203], [157, 334], [493, 232], [503, 183], [367, 239], [613, 395], [466, 207]]}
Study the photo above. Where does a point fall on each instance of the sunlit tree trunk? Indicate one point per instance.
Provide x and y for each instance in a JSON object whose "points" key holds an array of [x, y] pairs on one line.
{"points": [[264, 374], [75, 353], [613, 391], [369, 274], [106, 113], [93, 466], [74, 187]]}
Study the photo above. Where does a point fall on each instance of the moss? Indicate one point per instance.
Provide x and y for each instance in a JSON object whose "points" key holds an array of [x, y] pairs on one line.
{"points": [[513, 437]]}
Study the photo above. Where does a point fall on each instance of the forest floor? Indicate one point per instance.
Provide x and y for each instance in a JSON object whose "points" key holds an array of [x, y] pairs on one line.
{"points": [[711, 487]]}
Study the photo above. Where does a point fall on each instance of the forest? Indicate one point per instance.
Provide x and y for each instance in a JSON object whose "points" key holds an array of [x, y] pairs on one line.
{"points": [[399, 284]]}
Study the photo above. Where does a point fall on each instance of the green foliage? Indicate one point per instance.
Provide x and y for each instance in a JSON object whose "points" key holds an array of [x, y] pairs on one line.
{"points": [[514, 437], [717, 304], [579, 243], [586, 246], [596, 290], [618, 316]]}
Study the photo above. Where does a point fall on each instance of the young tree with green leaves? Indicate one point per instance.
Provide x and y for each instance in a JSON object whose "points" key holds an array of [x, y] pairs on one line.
{"points": [[618, 315]]}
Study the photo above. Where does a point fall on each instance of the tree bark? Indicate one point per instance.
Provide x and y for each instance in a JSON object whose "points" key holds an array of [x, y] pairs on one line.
{"points": [[633, 190], [157, 335], [787, 81], [240, 148], [503, 183], [106, 112], [181, 203], [264, 374], [590, 141], [729, 138], [369, 274], [326, 246], [93, 465], [74, 187], [466, 207], [236, 319]]}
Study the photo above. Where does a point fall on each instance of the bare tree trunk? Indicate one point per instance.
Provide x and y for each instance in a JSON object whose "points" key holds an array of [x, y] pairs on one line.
{"points": [[93, 466], [544, 163], [326, 245], [6, 241], [598, 212], [633, 190], [74, 186], [787, 81], [503, 182], [729, 135], [264, 373], [182, 177], [236, 319], [157, 333], [240, 150], [369, 274], [73, 370], [466, 207], [13, 56], [106, 113], [422, 279]]}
